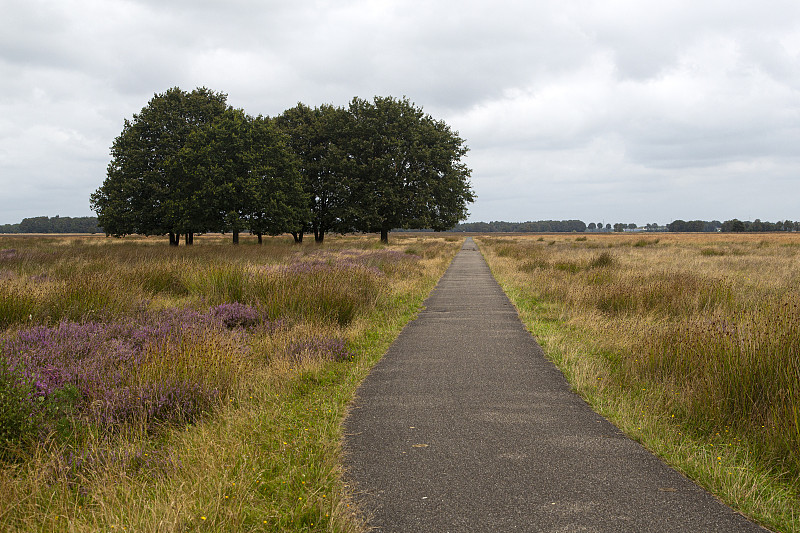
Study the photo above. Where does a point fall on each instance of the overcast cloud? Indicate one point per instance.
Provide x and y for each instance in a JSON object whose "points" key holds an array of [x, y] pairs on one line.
{"points": [[615, 110]]}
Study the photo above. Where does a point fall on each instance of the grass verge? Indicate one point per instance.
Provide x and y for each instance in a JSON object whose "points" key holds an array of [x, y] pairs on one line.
{"points": [[685, 351]]}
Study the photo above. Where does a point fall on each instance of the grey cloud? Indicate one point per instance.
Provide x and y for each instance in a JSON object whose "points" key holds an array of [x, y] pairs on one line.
{"points": [[583, 109]]}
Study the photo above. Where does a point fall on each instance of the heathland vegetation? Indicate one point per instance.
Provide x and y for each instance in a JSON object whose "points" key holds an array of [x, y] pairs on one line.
{"points": [[143, 388], [689, 343], [188, 163]]}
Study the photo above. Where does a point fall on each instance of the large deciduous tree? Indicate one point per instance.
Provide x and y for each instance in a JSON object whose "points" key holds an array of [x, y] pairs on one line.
{"points": [[246, 174], [314, 135], [145, 190], [404, 169]]}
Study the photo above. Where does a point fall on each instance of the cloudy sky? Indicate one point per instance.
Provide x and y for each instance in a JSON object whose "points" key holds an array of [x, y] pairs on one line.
{"points": [[601, 110]]}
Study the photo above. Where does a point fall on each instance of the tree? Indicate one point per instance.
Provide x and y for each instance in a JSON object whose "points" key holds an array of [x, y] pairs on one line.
{"points": [[404, 169], [145, 191], [315, 137], [735, 225], [592, 226], [677, 225], [246, 174]]}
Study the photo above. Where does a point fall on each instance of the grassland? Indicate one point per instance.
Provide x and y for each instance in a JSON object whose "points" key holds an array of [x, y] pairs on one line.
{"points": [[689, 343], [148, 388]]}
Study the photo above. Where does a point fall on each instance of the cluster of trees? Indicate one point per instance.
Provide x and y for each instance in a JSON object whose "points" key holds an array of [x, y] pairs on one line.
{"points": [[759, 226], [189, 163], [541, 226], [733, 226], [694, 226], [56, 224]]}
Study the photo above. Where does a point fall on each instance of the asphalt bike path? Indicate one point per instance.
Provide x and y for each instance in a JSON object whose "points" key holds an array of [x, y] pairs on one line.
{"points": [[465, 426]]}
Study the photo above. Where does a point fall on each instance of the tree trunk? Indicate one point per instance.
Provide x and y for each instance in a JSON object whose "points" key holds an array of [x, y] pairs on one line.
{"points": [[260, 241], [173, 239], [236, 236], [189, 239], [319, 236], [298, 237], [385, 236]]}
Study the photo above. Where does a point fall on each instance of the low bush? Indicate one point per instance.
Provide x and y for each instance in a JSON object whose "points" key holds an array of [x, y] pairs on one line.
{"points": [[17, 409]]}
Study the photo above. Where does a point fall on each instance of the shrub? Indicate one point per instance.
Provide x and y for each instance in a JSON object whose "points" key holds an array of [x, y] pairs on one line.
{"points": [[17, 422], [534, 264], [603, 260], [567, 266], [712, 252], [236, 315]]}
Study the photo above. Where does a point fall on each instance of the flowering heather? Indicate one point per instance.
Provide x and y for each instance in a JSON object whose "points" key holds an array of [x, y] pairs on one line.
{"points": [[127, 371], [236, 314], [7, 254]]}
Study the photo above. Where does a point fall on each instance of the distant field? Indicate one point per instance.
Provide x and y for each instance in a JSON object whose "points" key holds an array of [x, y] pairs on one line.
{"points": [[150, 388], [689, 342]]}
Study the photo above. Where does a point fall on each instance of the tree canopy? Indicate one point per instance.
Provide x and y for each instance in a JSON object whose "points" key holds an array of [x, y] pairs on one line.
{"points": [[404, 169], [145, 191], [315, 136], [246, 175]]}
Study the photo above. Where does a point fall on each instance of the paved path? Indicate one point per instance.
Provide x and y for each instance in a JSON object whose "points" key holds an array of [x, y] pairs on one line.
{"points": [[465, 426]]}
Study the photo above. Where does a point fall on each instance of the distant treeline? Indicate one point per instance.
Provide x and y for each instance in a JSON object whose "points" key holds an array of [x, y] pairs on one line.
{"points": [[541, 226], [56, 224], [59, 224], [732, 226], [568, 226]]}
